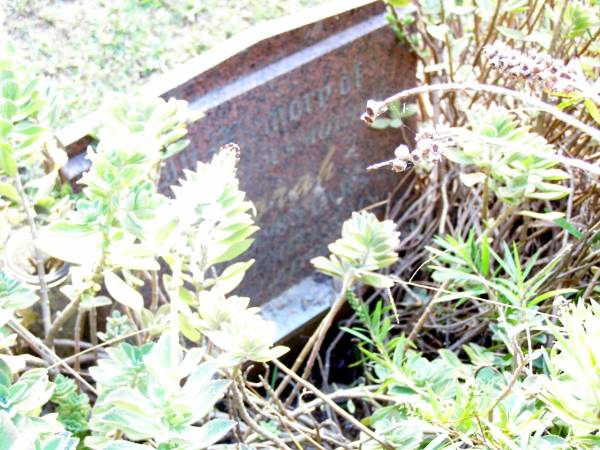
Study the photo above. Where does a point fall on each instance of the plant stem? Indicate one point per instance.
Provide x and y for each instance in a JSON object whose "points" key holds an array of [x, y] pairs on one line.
{"points": [[39, 259], [485, 196], [174, 309], [93, 321], [557, 28], [501, 218], [70, 310], [239, 403], [507, 389], [489, 33], [405, 32], [47, 353], [593, 39], [477, 87], [77, 340], [426, 313], [154, 289], [337, 304], [62, 318], [324, 327], [332, 404], [89, 348]]}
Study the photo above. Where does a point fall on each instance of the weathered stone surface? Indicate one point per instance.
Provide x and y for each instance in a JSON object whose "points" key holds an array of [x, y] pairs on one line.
{"points": [[293, 102]]}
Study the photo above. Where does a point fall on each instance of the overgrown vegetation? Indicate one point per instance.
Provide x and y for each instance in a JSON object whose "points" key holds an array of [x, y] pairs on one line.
{"points": [[476, 316]]}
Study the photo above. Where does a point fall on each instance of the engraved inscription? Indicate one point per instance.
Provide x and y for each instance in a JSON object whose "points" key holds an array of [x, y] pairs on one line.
{"points": [[307, 118], [312, 103]]}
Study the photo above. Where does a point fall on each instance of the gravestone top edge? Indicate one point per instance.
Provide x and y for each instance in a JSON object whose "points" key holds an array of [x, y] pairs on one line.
{"points": [[75, 137]]}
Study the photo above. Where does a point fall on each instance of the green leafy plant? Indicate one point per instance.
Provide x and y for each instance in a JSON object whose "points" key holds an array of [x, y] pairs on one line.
{"points": [[512, 162], [21, 403], [366, 245], [472, 269], [114, 236], [73, 407], [571, 389], [151, 403], [480, 404], [118, 326], [13, 297]]}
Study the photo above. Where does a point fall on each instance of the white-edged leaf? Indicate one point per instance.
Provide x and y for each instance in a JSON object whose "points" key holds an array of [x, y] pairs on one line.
{"points": [[511, 33], [232, 276], [209, 433], [549, 216], [438, 31], [374, 279], [95, 302], [122, 292], [7, 190], [8, 432], [471, 179], [74, 248]]}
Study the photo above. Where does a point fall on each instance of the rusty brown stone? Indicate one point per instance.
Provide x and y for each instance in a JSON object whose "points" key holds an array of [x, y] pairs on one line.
{"points": [[293, 101]]}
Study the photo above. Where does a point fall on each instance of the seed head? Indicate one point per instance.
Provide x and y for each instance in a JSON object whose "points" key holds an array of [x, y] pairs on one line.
{"points": [[430, 146], [374, 109]]}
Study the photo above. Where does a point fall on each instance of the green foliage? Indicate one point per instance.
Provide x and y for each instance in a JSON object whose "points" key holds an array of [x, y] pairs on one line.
{"points": [[142, 397], [115, 235], [118, 224], [515, 163], [25, 139], [374, 330], [572, 387], [578, 20], [234, 327], [14, 295], [150, 119], [118, 325], [534, 384], [20, 104], [123, 367], [366, 245], [214, 216], [441, 402], [398, 112], [115, 223], [472, 270], [73, 408], [447, 391], [22, 424], [529, 384]]}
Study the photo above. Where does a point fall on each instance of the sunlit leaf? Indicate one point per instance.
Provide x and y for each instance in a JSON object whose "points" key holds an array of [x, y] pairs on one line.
{"points": [[122, 292]]}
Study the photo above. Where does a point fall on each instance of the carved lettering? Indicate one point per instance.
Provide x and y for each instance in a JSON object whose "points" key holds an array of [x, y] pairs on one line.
{"points": [[357, 79], [307, 108], [323, 95], [308, 99], [345, 84], [295, 110]]}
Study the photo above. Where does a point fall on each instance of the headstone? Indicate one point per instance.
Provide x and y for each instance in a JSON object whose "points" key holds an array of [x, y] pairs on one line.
{"points": [[291, 93]]}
